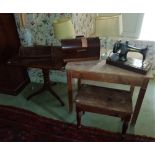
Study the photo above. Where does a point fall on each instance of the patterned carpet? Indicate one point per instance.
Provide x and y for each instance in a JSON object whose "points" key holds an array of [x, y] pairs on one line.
{"points": [[20, 125]]}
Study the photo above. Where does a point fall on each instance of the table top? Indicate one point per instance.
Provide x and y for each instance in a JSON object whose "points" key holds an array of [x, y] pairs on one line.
{"points": [[100, 66], [43, 57]]}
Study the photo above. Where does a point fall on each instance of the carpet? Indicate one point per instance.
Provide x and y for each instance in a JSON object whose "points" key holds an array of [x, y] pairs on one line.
{"points": [[19, 125]]}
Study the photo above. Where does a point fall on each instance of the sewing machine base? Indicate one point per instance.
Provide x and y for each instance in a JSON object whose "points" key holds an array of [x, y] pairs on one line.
{"points": [[131, 64]]}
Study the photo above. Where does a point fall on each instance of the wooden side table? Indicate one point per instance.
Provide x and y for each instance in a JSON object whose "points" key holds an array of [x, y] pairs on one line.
{"points": [[45, 64], [98, 70]]}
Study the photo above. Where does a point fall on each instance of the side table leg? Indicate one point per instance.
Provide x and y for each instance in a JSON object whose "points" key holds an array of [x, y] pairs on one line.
{"points": [[47, 85], [70, 91], [132, 89], [35, 93], [78, 117], [79, 83], [139, 102], [56, 96]]}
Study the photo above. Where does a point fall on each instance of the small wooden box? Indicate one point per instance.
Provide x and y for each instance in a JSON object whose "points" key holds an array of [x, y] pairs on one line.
{"points": [[75, 50]]}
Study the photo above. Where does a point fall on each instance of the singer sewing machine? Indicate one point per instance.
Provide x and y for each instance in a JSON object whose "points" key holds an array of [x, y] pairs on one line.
{"points": [[119, 58]]}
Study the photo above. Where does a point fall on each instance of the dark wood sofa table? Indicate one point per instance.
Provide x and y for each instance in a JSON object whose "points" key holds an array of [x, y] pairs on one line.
{"points": [[45, 64]]}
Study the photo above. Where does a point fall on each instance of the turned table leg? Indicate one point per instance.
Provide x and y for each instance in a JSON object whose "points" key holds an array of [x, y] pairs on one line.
{"points": [[132, 89], [79, 83], [78, 117], [70, 91], [46, 86]]}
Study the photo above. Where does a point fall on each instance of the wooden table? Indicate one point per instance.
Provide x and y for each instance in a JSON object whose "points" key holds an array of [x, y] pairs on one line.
{"points": [[43, 59], [98, 70]]}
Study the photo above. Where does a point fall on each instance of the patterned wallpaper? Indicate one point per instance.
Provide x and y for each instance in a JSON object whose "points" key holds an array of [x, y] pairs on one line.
{"points": [[83, 23], [39, 31]]}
